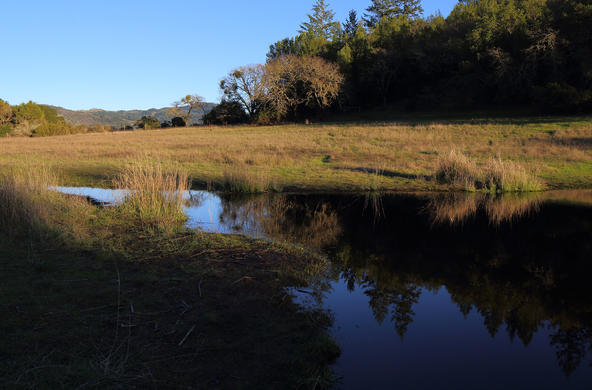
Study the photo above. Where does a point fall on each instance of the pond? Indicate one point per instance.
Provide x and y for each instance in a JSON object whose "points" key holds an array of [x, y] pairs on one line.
{"points": [[448, 291]]}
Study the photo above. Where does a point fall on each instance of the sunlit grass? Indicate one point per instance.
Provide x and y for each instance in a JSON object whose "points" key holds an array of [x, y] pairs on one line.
{"points": [[495, 176], [155, 194], [385, 156]]}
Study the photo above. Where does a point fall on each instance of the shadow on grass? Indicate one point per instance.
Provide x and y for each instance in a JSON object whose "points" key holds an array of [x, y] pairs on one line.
{"points": [[157, 311], [385, 173]]}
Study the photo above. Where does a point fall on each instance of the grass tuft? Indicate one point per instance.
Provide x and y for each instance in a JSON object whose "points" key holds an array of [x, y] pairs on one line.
{"points": [[496, 176], [155, 196], [242, 181]]}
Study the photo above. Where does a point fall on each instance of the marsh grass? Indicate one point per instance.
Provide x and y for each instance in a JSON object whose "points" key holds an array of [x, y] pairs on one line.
{"points": [[495, 176], [509, 176], [240, 180], [24, 194], [155, 194], [455, 168]]}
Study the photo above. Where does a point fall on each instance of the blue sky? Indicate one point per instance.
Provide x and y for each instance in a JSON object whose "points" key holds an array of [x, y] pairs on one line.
{"points": [[130, 54]]}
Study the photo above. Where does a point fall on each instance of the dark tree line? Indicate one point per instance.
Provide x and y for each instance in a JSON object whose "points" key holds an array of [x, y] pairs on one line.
{"points": [[530, 53]]}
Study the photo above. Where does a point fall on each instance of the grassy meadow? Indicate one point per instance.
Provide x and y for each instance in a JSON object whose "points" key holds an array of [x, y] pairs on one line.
{"points": [[554, 152]]}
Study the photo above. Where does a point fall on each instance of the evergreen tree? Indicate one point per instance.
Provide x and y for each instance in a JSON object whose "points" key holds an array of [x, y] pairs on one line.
{"points": [[321, 23], [350, 27], [390, 9]]}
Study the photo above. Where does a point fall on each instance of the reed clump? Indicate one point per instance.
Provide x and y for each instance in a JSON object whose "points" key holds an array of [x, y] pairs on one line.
{"points": [[240, 180], [495, 176], [508, 176], [155, 194], [457, 169]]}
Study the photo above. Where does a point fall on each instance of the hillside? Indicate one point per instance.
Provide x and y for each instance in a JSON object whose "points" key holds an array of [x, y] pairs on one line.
{"points": [[119, 118]]}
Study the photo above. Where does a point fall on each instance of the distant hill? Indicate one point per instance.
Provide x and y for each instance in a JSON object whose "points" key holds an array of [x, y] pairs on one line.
{"points": [[119, 118]]}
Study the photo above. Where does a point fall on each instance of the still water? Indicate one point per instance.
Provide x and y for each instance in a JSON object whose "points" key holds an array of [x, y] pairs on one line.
{"points": [[446, 291]]}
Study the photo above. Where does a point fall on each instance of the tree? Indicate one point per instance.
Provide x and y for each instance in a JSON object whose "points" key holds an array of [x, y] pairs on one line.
{"points": [[291, 82], [226, 113], [390, 9], [244, 86], [283, 47], [147, 123], [6, 112], [178, 122], [321, 23], [187, 105], [350, 27]]}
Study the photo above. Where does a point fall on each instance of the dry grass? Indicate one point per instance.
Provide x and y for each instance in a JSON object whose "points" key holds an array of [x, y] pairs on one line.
{"points": [[389, 155], [495, 176], [244, 181], [156, 194], [24, 193]]}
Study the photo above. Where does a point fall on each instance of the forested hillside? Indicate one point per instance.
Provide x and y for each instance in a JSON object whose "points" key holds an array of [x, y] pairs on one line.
{"points": [[123, 117], [533, 54]]}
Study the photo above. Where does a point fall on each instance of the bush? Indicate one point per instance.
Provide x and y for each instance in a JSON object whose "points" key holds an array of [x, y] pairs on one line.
{"points": [[5, 130], [226, 113]]}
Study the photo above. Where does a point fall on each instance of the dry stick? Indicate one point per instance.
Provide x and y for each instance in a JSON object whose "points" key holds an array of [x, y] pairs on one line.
{"points": [[187, 335], [199, 288]]}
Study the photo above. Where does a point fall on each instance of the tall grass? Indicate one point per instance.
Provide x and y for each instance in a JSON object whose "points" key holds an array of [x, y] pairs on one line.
{"points": [[455, 168], [240, 180], [24, 194], [495, 176], [508, 176], [155, 195]]}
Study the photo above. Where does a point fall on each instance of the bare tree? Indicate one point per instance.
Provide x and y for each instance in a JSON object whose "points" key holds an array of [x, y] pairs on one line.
{"points": [[244, 85], [186, 106], [291, 81]]}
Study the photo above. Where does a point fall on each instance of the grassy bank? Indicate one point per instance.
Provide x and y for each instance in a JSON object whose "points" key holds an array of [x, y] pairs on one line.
{"points": [[557, 152], [126, 297]]}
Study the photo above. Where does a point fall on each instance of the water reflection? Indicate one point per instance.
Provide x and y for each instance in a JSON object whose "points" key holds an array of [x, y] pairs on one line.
{"points": [[458, 280], [519, 262], [313, 224], [459, 207]]}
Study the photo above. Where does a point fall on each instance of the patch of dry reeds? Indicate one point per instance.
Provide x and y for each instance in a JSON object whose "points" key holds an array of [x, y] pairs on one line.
{"points": [[155, 193]]}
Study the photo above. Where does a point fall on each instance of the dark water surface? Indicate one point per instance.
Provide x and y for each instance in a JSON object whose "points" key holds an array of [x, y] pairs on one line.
{"points": [[445, 291]]}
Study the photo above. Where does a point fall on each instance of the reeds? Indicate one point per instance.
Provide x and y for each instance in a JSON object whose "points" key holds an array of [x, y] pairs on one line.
{"points": [[455, 168], [155, 194], [240, 180], [24, 194], [495, 176]]}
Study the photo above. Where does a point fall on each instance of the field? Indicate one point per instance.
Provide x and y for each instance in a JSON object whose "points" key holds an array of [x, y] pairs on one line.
{"points": [[322, 157]]}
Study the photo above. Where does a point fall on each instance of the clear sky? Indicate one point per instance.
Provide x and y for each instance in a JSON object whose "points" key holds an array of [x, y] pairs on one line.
{"points": [[130, 54]]}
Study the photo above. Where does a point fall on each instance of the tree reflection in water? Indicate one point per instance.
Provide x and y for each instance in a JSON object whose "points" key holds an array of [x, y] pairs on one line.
{"points": [[521, 262]]}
